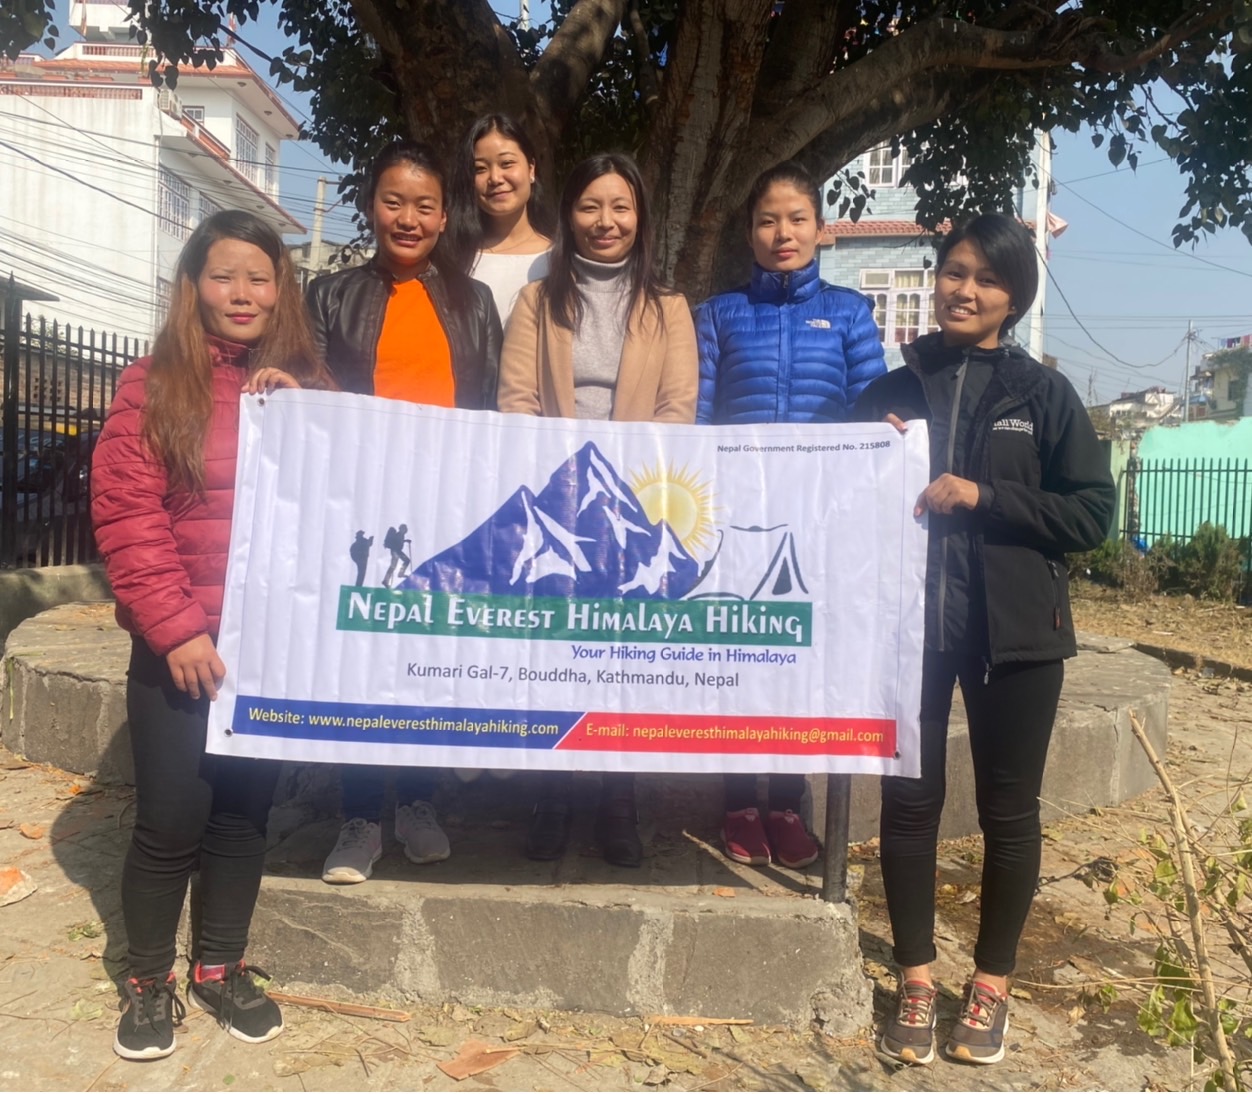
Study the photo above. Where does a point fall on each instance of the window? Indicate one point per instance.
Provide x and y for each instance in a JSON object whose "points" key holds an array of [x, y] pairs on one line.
{"points": [[884, 168], [164, 290], [271, 170], [904, 302], [246, 161], [174, 204], [194, 113], [207, 208]]}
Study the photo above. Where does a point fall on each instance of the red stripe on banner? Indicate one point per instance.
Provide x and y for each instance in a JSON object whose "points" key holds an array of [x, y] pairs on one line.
{"points": [[597, 731]]}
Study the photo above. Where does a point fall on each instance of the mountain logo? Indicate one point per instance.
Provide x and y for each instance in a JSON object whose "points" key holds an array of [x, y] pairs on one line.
{"points": [[584, 535]]}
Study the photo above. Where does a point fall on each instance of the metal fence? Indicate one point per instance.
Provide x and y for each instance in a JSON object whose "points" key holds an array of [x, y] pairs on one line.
{"points": [[58, 383], [1174, 497]]}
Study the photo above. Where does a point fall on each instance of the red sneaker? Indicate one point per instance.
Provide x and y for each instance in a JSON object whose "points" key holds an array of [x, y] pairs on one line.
{"points": [[793, 847], [743, 835]]}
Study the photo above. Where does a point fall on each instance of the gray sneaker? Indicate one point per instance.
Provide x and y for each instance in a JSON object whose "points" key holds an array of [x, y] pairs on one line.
{"points": [[419, 832], [359, 846], [909, 1036], [978, 1036]]}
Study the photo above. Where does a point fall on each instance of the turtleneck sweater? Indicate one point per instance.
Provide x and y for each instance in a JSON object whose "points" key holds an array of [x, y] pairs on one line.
{"points": [[598, 338]]}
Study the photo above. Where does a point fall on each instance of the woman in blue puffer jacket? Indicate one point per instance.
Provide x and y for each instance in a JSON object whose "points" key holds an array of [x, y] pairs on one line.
{"points": [[786, 347]]}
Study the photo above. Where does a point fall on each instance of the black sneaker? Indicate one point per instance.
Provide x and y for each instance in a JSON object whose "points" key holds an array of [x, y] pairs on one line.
{"points": [[150, 1011], [241, 1008], [909, 1036], [978, 1036]]}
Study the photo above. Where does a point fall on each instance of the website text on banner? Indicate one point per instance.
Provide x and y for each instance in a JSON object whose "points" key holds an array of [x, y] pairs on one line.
{"points": [[410, 585]]}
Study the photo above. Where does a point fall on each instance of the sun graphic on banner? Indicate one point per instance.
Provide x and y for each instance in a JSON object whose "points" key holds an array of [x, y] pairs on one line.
{"points": [[681, 499]]}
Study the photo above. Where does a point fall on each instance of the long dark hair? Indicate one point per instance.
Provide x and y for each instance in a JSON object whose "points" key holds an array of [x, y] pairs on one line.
{"points": [[420, 157], [560, 288], [1010, 252], [467, 223], [178, 399]]}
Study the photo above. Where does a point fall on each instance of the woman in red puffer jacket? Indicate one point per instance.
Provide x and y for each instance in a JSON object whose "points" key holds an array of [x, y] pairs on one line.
{"points": [[163, 483]]}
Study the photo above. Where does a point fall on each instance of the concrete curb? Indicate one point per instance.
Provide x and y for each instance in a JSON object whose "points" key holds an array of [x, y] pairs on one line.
{"points": [[27, 592], [590, 948]]}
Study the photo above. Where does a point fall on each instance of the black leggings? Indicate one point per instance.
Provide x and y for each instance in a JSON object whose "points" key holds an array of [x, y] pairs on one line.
{"points": [[1010, 725], [191, 810]]}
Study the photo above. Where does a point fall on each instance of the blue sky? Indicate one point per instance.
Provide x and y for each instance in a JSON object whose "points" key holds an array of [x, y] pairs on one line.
{"points": [[1130, 293]]}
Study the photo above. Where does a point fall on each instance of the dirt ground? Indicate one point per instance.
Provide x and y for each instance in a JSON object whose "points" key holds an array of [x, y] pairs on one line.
{"points": [[1222, 632], [57, 999]]}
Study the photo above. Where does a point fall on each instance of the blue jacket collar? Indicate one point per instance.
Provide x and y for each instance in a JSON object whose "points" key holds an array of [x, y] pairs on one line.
{"points": [[784, 288]]}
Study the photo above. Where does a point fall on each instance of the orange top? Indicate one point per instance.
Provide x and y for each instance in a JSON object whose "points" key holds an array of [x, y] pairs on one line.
{"points": [[414, 360]]}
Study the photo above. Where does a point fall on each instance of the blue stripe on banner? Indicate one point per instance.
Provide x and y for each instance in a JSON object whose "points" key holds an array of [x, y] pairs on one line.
{"points": [[378, 724]]}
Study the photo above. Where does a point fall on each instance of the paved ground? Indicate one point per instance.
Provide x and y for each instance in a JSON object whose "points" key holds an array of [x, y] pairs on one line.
{"points": [[58, 949]]}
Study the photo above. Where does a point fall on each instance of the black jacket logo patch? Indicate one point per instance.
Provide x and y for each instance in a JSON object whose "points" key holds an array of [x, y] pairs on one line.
{"points": [[1015, 425]]}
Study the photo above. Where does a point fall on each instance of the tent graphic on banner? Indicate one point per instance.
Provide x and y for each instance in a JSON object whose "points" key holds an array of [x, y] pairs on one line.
{"points": [[753, 564]]}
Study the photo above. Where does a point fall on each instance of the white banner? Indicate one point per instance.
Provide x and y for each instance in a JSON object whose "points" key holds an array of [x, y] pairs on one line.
{"points": [[409, 585]]}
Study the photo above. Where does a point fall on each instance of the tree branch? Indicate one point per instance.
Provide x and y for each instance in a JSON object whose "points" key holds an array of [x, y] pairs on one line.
{"points": [[451, 60], [646, 74], [940, 43], [1185, 858], [560, 76], [802, 48]]}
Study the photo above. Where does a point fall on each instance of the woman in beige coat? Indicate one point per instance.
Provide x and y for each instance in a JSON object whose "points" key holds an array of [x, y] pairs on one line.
{"points": [[599, 338]]}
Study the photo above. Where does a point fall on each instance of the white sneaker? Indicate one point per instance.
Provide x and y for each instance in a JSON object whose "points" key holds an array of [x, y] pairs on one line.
{"points": [[419, 832], [359, 846]]}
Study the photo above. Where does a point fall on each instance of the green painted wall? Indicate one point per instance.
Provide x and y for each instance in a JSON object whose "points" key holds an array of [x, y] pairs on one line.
{"points": [[1210, 480]]}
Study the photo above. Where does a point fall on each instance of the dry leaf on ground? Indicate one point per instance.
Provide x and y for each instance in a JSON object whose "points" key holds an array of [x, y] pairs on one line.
{"points": [[15, 885], [31, 831], [474, 1058]]}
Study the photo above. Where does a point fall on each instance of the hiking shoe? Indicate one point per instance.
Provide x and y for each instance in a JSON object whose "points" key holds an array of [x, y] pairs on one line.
{"points": [[150, 1011], [359, 846], [743, 836], [231, 995], [419, 832], [909, 1036], [978, 1036], [789, 842]]}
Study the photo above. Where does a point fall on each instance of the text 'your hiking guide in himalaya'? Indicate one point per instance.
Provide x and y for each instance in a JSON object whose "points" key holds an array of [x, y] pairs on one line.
{"points": [[495, 590]]}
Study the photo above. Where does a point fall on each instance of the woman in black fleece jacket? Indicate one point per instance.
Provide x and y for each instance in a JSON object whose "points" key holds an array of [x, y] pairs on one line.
{"points": [[1018, 480]]}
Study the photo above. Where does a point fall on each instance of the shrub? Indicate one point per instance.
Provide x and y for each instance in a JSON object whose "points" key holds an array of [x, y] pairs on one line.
{"points": [[1212, 565], [1118, 563]]}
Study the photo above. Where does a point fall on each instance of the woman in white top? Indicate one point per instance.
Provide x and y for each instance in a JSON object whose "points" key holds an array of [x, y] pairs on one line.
{"points": [[500, 228]]}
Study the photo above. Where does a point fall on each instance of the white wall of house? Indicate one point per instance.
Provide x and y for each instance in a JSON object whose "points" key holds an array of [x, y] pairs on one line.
{"points": [[59, 232], [105, 176]]}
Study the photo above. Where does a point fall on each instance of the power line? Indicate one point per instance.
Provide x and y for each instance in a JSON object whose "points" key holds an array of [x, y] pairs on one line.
{"points": [[1082, 326], [1131, 228], [75, 178]]}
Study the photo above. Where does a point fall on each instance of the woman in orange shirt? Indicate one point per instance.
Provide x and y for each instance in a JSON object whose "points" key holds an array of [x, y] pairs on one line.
{"points": [[410, 325]]}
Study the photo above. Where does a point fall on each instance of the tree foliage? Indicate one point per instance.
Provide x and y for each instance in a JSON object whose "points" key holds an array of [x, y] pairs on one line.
{"points": [[707, 93]]}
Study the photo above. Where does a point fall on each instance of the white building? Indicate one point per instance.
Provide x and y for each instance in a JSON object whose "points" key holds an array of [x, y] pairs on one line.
{"points": [[104, 176]]}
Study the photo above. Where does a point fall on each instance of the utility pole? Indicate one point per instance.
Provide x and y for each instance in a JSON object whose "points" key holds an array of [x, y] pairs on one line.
{"points": [[319, 211], [1091, 389], [1186, 375]]}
